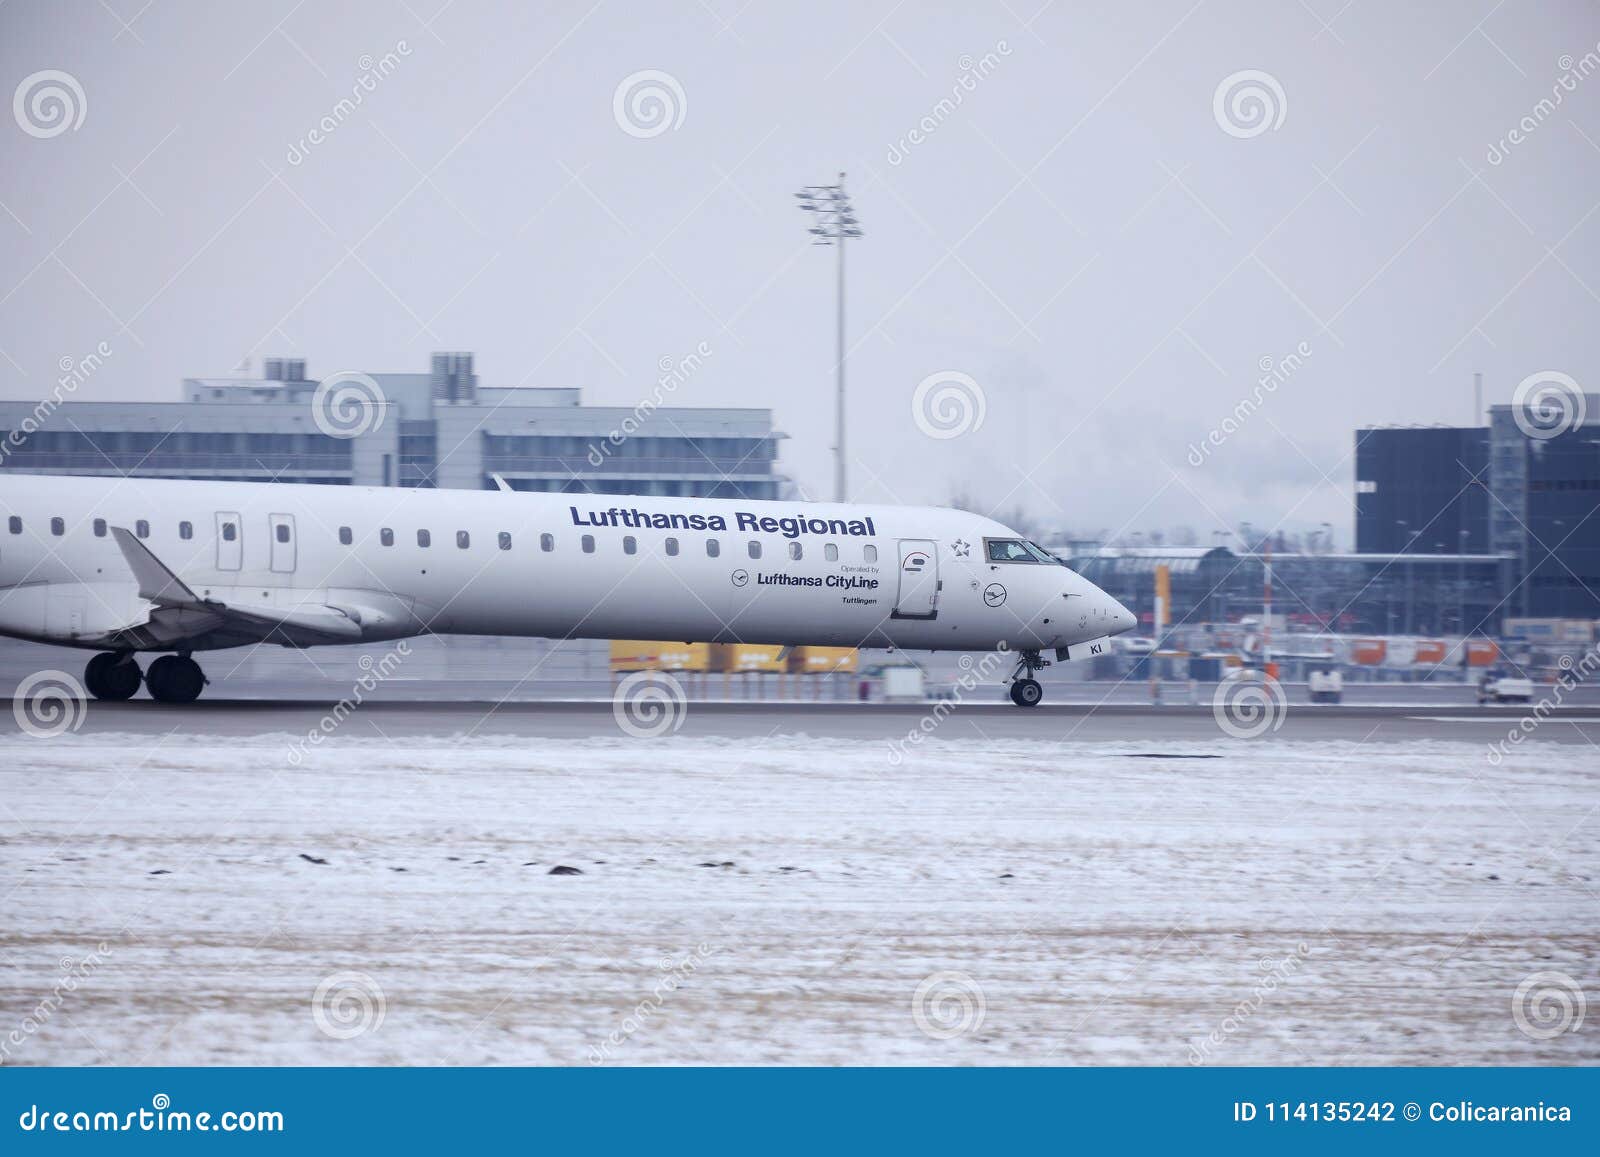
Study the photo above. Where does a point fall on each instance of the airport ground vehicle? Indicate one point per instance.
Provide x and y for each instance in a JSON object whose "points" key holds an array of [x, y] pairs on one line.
{"points": [[1505, 689], [1326, 685]]}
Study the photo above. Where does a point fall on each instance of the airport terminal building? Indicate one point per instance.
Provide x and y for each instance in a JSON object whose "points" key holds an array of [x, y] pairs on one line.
{"points": [[436, 429], [1350, 592], [1459, 530], [1516, 488]]}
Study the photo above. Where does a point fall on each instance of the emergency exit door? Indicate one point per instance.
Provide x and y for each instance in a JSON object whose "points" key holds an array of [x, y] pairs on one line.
{"points": [[280, 531], [230, 540]]}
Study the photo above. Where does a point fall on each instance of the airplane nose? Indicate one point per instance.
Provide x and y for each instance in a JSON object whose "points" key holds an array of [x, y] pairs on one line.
{"points": [[1107, 615], [1112, 615]]}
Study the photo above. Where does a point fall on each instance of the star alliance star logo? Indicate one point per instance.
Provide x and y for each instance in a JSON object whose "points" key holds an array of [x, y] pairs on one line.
{"points": [[961, 547]]}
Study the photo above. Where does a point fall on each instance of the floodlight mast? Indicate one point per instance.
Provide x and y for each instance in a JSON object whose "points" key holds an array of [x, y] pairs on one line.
{"points": [[835, 224]]}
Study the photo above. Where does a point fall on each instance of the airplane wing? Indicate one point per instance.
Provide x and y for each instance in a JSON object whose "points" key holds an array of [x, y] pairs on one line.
{"points": [[181, 615]]}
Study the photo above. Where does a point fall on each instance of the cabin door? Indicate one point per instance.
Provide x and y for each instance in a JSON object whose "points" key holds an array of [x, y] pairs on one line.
{"points": [[918, 593]]}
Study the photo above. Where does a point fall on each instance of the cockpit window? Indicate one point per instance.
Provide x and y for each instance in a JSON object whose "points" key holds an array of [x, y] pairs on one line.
{"points": [[1009, 550], [1041, 553]]}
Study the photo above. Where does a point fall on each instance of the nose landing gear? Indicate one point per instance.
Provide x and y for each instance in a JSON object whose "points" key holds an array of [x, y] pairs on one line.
{"points": [[1025, 691]]}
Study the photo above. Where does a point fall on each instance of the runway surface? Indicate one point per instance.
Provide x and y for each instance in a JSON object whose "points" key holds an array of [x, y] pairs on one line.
{"points": [[591, 718], [287, 875], [785, 900]]}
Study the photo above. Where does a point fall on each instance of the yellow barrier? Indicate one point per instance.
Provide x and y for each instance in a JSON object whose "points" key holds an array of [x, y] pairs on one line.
{"points": [[737, 657], [644, 655], [820, 660]]}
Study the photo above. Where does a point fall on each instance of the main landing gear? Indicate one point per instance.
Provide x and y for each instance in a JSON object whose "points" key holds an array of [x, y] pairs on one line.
{"points": [[112, 676], [174, 679], [1025, 691], [115, 676]]}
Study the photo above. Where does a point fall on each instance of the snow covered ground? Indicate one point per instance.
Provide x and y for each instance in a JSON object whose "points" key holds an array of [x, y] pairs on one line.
{"points": [[792, 901]]}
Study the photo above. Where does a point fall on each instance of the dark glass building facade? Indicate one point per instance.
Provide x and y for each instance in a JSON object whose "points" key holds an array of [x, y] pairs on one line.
{"points": [[1509, 488], [1422, 490]]}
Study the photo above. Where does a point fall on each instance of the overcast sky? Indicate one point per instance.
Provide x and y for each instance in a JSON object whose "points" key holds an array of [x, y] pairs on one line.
{"points": [[1086, 224]]}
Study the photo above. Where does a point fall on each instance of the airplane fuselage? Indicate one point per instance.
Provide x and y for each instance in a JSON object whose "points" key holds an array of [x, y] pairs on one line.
{"points": [[379, 563]]}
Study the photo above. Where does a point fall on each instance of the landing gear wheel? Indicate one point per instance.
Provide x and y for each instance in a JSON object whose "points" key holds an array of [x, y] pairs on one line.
{"points": [[1026, 692], [1025, 689], [112, 677], [175, 679]]}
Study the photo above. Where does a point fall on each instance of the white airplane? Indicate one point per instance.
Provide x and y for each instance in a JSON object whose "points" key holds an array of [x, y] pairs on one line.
{"points": [[125, 565]]}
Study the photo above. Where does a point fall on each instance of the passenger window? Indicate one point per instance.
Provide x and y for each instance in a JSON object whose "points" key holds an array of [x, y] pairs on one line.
{"points": [[831, 552], [588, 544], [142, 528], [755, 548], [99, 528], [424, 538], [185, 530], [386, 536], [505, 540], [547, 542], [713, 547], [58, 527], [229, 532], [463, 539], [283, 532], [869, 553], [345, 537], [795, 552], [672, 546], [630, 545], [15, 524]]}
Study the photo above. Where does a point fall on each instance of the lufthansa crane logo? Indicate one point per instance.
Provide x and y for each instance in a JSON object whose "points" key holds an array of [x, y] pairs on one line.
{"points": [[994, 595], [740, 577]]}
